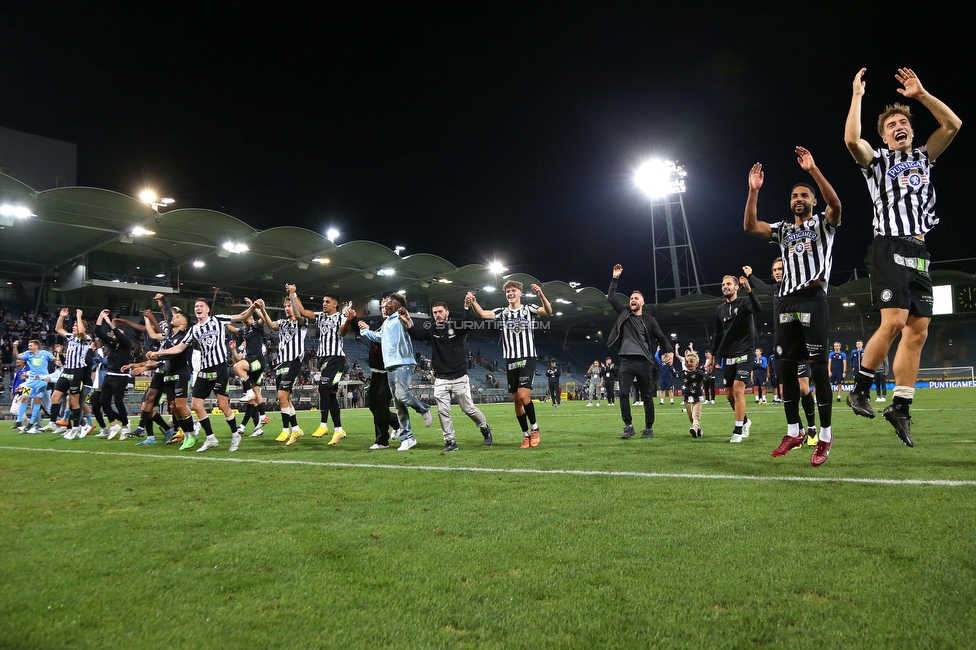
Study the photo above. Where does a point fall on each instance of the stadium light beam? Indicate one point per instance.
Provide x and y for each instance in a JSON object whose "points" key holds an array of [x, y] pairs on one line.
{"points": [[659, 178], [332, 234], [496, 267]]}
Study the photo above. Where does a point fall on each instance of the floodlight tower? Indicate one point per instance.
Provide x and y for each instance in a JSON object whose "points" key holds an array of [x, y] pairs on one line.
{"points": [[676, 266]]}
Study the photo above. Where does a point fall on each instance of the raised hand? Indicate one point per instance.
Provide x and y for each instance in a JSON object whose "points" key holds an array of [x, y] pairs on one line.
{"points": [[912, 86], [859, 82], [617, 270], [804, 158], [744, 283], [536, 289], [363, 325], [756, 177], [747, 270], [64, 312]]}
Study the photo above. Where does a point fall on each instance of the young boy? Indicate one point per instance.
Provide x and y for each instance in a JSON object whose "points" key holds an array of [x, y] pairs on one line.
{"points": [[692, 391]]}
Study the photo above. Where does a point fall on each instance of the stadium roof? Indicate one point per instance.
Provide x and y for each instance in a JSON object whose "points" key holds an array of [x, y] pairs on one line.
{"points": [[69, 223]]}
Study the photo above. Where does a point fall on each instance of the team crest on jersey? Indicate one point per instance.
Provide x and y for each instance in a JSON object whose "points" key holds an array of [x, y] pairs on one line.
{"points": [[287, 336], [913, 179], [886, 295]]}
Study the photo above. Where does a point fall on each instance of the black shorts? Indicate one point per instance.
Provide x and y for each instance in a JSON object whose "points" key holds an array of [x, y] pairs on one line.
{"points": [[899, 270], [156, 383], [211, 380], [175, 385], [667, 383], [255, 370], [520, 373], [286, 373], [330, 371], [837, 376], [758, 378], [736, 369], [801, 328], [70, 381], [803, 370]]}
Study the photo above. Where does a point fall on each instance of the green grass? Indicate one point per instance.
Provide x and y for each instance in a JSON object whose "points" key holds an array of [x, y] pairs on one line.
{"points": [[129, 547]]}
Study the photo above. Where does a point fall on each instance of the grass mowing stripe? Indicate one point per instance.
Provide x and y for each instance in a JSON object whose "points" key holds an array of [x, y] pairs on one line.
{"points": [[516, 470]]}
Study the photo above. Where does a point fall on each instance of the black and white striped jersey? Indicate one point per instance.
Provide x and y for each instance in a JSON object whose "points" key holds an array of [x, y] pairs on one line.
{"points": [[901, 190], [75, 351], [330, 341], [806, 252], [291, 339], [518, 339], [211, 340]]}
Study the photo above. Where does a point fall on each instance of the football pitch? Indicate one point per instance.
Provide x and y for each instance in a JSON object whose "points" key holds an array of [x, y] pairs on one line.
{"points": [[586, 541]]}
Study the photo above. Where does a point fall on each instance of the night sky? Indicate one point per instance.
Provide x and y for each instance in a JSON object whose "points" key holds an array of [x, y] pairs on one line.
{"points": [[495, 130]]}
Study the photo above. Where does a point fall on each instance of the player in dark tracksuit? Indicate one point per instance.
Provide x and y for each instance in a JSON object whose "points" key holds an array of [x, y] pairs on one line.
{"points": [[735, 339], [552, 374]]}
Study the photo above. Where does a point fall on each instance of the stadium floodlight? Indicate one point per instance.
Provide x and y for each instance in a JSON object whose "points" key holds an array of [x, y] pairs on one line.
{"points": [[15, 211], [658, 178], [386, 272], [321, 260], [496, 267], [198, 264], [399, 249], [234, 247], [488, 288], [332, 234], [139, 231], [150, 198]]}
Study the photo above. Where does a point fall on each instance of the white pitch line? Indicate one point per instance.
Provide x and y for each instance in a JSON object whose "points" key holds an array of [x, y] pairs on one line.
{"points": [[493, 470]]}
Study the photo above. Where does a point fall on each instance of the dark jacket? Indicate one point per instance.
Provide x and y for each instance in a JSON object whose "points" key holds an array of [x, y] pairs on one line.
{"points": [[449, 360], [735, 328], [119, 346], [651, 324]]}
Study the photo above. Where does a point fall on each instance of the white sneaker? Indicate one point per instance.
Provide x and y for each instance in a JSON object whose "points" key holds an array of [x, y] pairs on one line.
{"points": [[880, 399], [662, 401], [114, 431], [377, 445], [240, 430], [124, 432], [428, 418], [735, 438], [84, 431], [235, 440], [50, 426], [590, 405], [745, 428], [672, 401], [396, 434], [70, 434], [257, 433], [208, 444], [33, 429], [712, 402], [407, 444], [103, 433], [22, 428], [248, 396], [60, 431], [598, 403], [638, 403]]}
